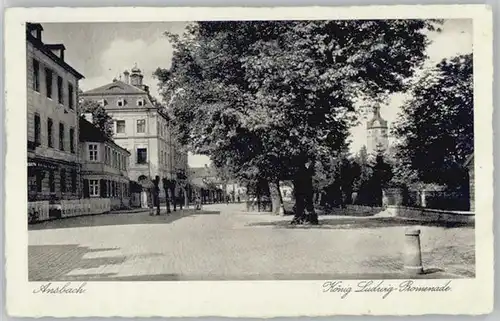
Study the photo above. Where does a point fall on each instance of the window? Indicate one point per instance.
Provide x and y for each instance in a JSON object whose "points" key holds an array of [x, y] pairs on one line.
{"points": [[48, 82], [140, 102], [37, 130], [142, 155], [63, 180], [106, 157], [94, 187], [39, 179], [70, 96], [93, 152], [36, 75], [120, 126], [73, 181], [52, 185], [141, 125], [61, 136], [72, 140], [119, 161], [120, 102], [60, 97], [50, 134]]}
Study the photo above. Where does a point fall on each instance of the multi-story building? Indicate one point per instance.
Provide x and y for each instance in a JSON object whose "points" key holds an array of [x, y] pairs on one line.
{"points": [[141, 127], [52, 120], [104, 166], [378, 141]]}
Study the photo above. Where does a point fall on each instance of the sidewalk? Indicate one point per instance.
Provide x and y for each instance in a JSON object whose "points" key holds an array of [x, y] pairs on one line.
{"points": [[144, 210]]}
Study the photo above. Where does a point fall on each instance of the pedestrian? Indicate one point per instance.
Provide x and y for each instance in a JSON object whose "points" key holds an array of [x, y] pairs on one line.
{"points": [[198, 202]]}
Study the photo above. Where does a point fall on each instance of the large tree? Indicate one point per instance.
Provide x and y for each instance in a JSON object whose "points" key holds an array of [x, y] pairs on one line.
{"points": [[271, 98], [436, 126], [100, 118]]}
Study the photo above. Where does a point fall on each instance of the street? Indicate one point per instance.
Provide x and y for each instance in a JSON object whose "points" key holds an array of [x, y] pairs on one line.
{"points": [[224, 243]]}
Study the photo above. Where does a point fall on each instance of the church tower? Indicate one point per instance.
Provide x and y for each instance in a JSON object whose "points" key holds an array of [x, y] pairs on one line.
{"points": [[136, 77], [378, 141]]}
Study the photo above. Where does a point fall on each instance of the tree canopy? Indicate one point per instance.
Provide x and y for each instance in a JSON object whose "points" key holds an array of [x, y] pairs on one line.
{"points": [[436, 126], [100, 118], [271, 98]]}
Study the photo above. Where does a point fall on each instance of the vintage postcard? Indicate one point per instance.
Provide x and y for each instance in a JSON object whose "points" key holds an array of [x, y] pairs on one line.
{"points": [[249, 162]]}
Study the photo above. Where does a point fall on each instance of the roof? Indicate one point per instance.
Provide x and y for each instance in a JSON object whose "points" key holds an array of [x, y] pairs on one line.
{"points": [[90, 133], [115, 88], [47, 51], [30, 26], [377, 120], [198, 182], [55, 46], [202, 172]]}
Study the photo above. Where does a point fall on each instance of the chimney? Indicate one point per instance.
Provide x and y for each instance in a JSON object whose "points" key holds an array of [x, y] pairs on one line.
{"points": [[35, 29], [57, 49], [88, 117], [126, 74]]}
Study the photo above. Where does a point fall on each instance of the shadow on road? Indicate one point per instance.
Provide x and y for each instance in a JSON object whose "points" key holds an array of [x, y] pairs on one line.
{"points": [[52, 262], [118, 219], [360, 223]]}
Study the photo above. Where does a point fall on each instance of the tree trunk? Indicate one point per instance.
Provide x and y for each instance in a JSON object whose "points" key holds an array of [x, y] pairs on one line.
{"points": [[274, 190], [304, 198], [166, 188], [310, 213], [282, 204], [186, 199], [298, 192], [174, 203]]}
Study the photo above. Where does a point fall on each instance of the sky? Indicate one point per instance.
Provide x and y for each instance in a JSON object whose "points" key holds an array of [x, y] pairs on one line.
{"points": [[102, 51]]}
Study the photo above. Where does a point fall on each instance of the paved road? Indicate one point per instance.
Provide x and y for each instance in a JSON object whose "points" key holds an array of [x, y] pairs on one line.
{"points": [[223, 242]]}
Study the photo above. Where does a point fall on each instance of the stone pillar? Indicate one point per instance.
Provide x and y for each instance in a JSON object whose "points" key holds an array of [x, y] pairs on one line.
{"points": [[412, 252], [423, 202]]}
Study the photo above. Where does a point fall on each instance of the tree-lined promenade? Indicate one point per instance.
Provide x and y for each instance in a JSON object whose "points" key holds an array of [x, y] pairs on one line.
{"points": [[274, 101]]}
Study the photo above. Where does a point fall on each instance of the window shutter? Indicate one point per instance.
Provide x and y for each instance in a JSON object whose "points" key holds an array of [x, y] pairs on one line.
{"points": [[86, 188], [103, 187]]}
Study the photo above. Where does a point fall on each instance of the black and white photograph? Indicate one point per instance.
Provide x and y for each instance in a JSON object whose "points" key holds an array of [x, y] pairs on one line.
{"points": [[325, 150]]}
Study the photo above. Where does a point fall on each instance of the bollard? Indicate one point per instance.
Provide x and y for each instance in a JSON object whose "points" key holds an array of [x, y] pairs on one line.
{"points": [[413, 255]]}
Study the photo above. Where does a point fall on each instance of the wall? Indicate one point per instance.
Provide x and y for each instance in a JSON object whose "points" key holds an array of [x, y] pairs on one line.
{"points": [[50, 108], [434, 199], [164, 155], [39, 103], [430, 215], [99, 165]]}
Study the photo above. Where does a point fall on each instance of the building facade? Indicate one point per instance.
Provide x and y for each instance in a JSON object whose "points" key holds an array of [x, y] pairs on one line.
{"points": [[142, 128], [377, 134], [205, 183], [104, 166], [52, 121]]}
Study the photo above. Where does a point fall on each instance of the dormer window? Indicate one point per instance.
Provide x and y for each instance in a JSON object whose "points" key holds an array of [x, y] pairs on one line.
{"points": [[140, 102], [101, 102], [120, 102]]}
